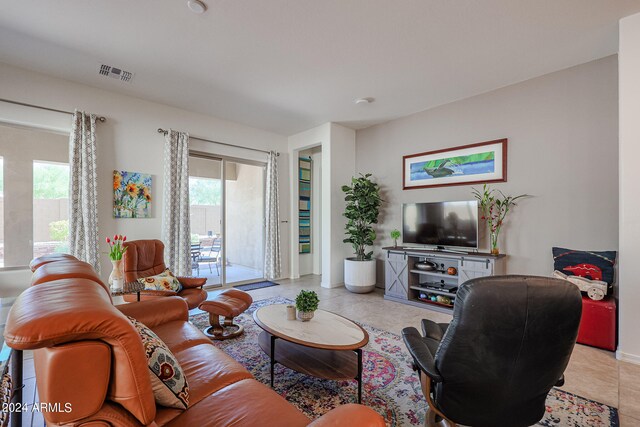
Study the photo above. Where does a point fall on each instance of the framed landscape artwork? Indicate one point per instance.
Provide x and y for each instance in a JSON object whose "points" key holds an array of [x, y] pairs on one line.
{"points": [[467, 164], [131, 195]]}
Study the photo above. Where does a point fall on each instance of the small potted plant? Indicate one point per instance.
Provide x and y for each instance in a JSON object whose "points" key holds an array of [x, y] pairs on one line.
{"points": [[363, 201], [395, 235], [494, 206], [306, 304]]}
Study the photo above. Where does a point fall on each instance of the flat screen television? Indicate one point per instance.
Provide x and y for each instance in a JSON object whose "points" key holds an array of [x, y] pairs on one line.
{"points": [[444, 224]]}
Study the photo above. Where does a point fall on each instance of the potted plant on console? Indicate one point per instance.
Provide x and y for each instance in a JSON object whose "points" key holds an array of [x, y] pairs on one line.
{"points": [[395, 235], [494, 206], [362, 210]]}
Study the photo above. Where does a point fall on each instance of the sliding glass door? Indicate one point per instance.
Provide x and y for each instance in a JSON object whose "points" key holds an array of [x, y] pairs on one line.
{"points": [[205, 196], [244, 206], [227, 219]]}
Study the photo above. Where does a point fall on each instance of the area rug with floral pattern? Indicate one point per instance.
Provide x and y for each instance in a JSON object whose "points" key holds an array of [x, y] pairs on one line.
{"points": [[390, 386]]}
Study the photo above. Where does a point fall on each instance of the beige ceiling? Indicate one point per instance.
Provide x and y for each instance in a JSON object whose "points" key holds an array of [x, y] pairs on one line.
{"points": [[288, 65]]}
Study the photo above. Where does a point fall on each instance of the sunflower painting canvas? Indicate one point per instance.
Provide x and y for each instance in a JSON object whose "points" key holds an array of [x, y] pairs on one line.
{"points": [[131, 195]]}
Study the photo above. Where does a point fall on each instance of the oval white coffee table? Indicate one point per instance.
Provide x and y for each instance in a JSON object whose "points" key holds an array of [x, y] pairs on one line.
{"points": [[328, 346]]}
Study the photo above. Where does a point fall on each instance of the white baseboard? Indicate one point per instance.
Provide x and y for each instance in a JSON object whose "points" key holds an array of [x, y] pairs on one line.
{"points": [[628, 357]]}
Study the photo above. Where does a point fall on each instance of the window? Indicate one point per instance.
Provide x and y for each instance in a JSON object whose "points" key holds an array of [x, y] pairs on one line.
{"points": [[50, 208], [205, 191], [205, 195], [205, 198], [34, 193]]}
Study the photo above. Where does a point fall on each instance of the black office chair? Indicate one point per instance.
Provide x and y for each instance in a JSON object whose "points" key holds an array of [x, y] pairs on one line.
{"points": [[508, 344]]}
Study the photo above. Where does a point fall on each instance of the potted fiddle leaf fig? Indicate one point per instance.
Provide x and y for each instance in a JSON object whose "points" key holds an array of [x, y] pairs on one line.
{"points": [[362, 210]]}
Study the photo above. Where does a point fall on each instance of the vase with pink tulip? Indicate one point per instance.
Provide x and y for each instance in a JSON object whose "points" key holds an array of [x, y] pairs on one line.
{"points": [[116, 251]]}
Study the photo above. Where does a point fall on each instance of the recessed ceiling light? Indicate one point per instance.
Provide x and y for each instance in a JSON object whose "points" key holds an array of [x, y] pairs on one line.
{"points": [[197, 6], [363, 101]]}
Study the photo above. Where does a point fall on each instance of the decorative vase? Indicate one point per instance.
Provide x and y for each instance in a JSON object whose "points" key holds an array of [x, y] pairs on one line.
{"points": [[291, 312], [494, 242], [116, 278], [360, 276], [305, 316]]}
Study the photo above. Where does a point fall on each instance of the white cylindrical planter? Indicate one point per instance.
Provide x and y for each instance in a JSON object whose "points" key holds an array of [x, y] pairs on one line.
{"points": [[360, 276]]}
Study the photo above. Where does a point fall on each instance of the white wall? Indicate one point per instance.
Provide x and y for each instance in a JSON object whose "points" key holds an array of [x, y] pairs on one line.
{"points": [[629, 268], [129, 141], [340, 156], [563, 132]]}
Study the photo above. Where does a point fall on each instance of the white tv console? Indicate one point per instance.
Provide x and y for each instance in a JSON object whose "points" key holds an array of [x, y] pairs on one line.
{"points": [[405, 283]]}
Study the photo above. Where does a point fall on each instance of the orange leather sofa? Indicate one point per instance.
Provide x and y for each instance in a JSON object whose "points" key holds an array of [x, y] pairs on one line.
{"points": [[88, 354], [144, 258]]}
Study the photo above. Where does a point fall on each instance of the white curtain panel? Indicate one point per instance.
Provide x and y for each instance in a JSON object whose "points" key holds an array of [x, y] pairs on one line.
{"points": [[176, 230], [272, 220], [83, 201]]}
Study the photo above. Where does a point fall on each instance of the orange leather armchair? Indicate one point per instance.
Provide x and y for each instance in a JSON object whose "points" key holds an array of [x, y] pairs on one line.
{"points": [[144, 258]]}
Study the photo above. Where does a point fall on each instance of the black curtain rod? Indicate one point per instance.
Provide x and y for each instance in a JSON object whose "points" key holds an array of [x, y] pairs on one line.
{"points": [[24, 104], [160, 130]]}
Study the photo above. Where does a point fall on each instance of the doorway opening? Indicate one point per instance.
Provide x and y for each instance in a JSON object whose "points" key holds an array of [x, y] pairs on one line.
{"points": [[307, 253]]}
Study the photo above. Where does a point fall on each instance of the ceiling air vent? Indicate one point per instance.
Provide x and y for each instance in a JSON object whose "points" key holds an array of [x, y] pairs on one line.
{"points": [[115, 73]]}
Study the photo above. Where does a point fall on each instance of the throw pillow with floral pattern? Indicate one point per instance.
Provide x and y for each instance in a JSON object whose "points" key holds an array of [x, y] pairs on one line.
{"points": [[170, 387], [164, 281]]}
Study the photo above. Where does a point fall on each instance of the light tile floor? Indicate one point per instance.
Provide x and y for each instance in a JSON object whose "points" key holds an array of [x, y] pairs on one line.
{"points": [[236, 273], [592, 373]]}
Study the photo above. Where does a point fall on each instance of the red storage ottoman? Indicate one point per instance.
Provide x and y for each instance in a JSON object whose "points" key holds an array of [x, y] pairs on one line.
{"points": [[598, 323]]}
